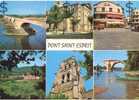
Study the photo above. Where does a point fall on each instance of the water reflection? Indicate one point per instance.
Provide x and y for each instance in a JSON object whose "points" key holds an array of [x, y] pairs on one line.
{"points": [[37, 41], [32, 41], [116, 89]]}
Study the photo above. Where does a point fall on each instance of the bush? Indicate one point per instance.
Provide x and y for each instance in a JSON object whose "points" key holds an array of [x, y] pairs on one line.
{"points": [[21, 89], [57, 96]]}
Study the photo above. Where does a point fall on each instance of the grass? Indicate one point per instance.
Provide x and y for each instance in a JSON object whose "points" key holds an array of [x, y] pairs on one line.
{"points": [[1, 46], [13, 86], [23, 88]]}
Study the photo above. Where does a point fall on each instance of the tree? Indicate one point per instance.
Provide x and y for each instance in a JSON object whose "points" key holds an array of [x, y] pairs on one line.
{"points": [[55, 16], [90, 19], [74, 22], [10, 59], [87, 64], [132, 62], [59, 14], [67, 12]]}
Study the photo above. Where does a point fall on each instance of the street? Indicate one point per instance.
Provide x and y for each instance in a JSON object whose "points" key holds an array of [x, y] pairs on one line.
{"points": [[116, 39], [71, 36]]}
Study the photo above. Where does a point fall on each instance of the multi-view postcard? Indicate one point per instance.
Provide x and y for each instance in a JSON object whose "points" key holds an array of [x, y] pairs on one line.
{"points": [[69, 49]]}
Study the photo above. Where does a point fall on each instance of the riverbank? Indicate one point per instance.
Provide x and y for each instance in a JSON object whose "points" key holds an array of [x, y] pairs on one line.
{"points": [[132, 73], [11, 30]]}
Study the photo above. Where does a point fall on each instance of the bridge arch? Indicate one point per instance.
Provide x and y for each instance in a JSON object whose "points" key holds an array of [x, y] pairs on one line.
{"points": [[110, 64]]}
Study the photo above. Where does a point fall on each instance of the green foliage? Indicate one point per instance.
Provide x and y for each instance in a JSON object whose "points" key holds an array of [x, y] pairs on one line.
{"points": [[133, 61], [57, 96], [58, 14], [55, 16], [87, 64], [2, 46], [17, 72], [22, 89]]}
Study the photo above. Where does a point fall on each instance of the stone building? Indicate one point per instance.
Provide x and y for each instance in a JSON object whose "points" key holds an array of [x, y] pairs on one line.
{"points": [[108, 14], [68, 80], [81, 12], [135, 18]]}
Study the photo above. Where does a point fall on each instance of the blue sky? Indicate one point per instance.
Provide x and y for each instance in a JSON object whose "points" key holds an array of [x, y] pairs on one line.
{"points": [[26, 7], [37, 61], [121, 2], [54, 59], [100, 56]]}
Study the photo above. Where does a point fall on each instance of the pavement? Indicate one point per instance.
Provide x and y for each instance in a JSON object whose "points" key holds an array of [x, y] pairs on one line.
{"points": [[71, 36], [116, 39]]}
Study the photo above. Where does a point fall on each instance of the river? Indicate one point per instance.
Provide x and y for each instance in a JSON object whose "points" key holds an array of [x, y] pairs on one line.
{"points": [[35, 41], [116, 89]]}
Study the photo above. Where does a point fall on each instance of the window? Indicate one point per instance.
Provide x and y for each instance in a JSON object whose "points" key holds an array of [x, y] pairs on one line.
{"points": [[66, 66], [63, 77], [68, 77], [103, 9], [118, 10], [110, 9], [95, 9]]}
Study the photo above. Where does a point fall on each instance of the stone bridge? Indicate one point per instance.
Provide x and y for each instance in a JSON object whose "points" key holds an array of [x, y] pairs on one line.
{"points": [[109, 64], [18, 22]]}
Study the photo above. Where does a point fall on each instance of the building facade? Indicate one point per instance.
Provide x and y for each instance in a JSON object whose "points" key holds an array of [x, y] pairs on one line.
{"points": [[135, 18], [108, 14], [78, 22], [68, 80]]}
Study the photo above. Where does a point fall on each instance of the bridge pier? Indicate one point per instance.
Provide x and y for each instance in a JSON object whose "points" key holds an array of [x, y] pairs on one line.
{"points": [[109, 64]]}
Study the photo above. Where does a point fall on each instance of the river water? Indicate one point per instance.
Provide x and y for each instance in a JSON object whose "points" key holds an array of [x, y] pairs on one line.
{"points": [[35, 41], [116, 89]]}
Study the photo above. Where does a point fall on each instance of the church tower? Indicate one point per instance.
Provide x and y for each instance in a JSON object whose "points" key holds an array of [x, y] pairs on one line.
{"points": [[68, 80]]}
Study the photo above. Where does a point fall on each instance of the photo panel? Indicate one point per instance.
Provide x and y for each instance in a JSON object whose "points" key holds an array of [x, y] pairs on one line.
{"points": [[23, 25], [116, 25], [116, 74], [69, 19], [69, 75], [22, 74]]}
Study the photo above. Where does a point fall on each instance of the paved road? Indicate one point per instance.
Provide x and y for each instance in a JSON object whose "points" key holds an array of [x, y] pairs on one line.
{"points": [[116, 39], [71, 36]]}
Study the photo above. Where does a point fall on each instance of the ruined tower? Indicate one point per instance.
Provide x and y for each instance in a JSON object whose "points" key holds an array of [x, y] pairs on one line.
{"points": [[68, 80]]}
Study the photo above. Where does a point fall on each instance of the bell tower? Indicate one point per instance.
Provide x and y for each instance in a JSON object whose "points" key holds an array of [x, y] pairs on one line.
{"points": [[68, 80]]}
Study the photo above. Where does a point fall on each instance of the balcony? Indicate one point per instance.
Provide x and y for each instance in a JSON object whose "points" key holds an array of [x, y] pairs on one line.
{"points": [[107, 12]]}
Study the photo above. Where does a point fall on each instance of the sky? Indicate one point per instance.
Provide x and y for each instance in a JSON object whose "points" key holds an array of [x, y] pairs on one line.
{"points": [[26, 7], [54, 59], [37, 7], [100, 56], [121, 2], [37, 61]]}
